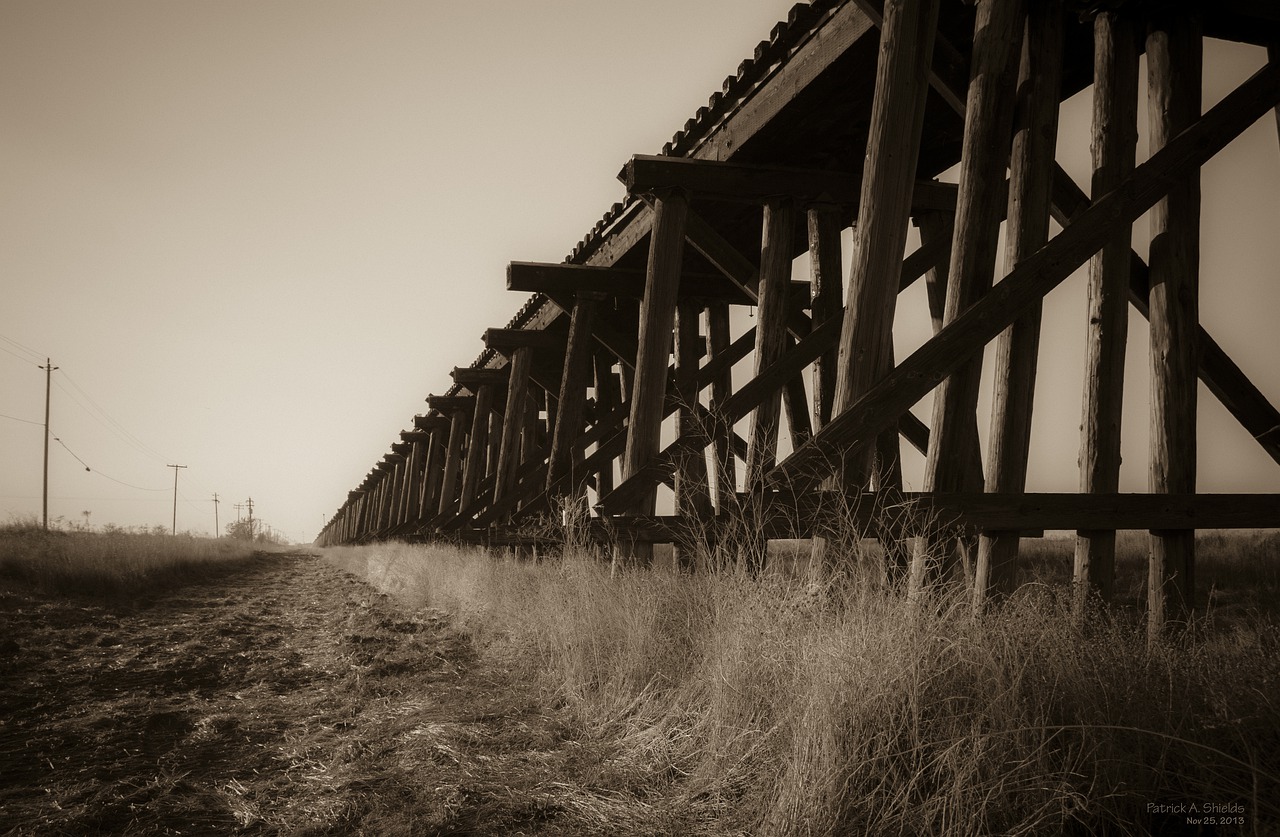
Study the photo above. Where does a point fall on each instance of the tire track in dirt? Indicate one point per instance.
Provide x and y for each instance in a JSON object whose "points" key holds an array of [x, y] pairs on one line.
{"points": [[289, 698]]}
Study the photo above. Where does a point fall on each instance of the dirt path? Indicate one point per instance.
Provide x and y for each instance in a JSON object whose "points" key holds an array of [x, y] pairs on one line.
{"points": [[286, 699]]}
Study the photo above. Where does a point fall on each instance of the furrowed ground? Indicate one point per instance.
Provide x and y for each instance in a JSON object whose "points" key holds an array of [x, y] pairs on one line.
{"points": [[286, 698]]}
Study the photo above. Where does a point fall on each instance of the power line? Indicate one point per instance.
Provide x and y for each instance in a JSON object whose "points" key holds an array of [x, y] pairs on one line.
{"points": [[24, 421], [100, 415], [18, 356], [30, 351], [99, 473]]}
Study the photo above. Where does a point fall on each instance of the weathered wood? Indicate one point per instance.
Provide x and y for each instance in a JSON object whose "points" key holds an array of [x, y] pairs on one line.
{"points": [[1174, 59], [507, 340], [692, 490], [893, 144], [573, 391], [987, 129], [450, 403], [771, 335], [795, 401], [608, 399], [473, 378], [1115, 136], [453, 460], [513, 420], [417, 474], [827, 286], [1220, 374], [847, 26], [433, 471], [782, 517], [569, 279], [431, 422], [721, 389], [1038, 274], [477, 444], [759, 184], [1017, 347], [657, 318]]}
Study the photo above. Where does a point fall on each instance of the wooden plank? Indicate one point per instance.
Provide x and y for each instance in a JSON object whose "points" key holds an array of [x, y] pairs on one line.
{"points": [[893, 143], [608, 399], [782, 517], [1038, 274], [657, 318], [573, 391], [1114, 141], [429, 423], [752, 183], [1018, 347], [433, 472], [1174, 60], [771, 334]]}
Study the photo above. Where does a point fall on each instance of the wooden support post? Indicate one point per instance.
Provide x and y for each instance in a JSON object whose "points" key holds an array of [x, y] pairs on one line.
{"points": [[494, 437], [608, 399], [433, 472], [1017, 347], [417, 477], [893, 149], [825, 287], [987, 129], [573, 395], [1174, 59], [771, 335], [692, 494], [513, 421], [1115, 106], [453, 460], [796, 402], [477, 445], [721, 390], [657, 318]]}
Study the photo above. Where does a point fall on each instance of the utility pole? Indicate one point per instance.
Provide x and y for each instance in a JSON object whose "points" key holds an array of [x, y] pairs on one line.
{"points": [[249, 502], [48, 382], [216, 532], [175, 495]]}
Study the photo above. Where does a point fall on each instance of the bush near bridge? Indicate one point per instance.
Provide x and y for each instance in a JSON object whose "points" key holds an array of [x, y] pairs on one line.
{"points": [[773, 705]]}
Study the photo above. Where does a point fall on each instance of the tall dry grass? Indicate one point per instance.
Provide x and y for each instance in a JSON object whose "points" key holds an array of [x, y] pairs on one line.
{"points": [[111, 563], [768, 705]]}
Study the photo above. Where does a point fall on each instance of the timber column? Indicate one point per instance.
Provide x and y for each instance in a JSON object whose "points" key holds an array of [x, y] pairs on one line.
{"points": [[657, 321], [1174, 58]]}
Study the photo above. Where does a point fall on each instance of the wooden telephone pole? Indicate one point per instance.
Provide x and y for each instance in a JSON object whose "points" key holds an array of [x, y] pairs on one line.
{"points": [[48, 380], [175, 495]]}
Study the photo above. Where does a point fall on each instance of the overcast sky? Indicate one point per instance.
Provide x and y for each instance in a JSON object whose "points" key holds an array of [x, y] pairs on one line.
{"points": [[253, 236]]}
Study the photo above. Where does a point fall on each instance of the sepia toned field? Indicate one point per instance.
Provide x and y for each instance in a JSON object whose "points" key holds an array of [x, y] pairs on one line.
{"points": [[392, 689]]}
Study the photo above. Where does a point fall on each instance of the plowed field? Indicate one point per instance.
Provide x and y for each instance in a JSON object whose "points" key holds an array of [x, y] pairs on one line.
{"points": [[289, 698]]}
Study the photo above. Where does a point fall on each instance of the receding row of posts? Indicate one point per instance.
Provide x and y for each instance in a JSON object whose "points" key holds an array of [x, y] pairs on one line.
{"points": [[575, 396]]}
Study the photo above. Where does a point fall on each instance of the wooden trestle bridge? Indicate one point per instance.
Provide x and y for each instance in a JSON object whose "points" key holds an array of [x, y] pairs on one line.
{"points": [[844, 118]]}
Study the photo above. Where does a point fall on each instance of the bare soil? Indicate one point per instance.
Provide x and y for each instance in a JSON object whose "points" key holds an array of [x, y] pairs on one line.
{"points": [[288, 698]]}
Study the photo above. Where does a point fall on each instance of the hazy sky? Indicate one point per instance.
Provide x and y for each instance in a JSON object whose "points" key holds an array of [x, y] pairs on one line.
{"points": [[254, 235]]}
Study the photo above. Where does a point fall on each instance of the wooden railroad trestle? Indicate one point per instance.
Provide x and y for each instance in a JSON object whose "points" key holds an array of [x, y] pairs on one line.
{"points": [[844, 118]]}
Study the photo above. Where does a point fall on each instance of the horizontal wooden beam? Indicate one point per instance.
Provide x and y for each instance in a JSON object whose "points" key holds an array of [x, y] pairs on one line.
{"points": [[539, 277], [446, 403], [472, 377], [414, 436], [430, 422], [509, 339], [401, 449], [644, 174]]}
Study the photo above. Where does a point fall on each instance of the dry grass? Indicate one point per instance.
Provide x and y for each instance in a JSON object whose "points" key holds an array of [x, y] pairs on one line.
{"points": [[111, 563], [777, 706]]}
